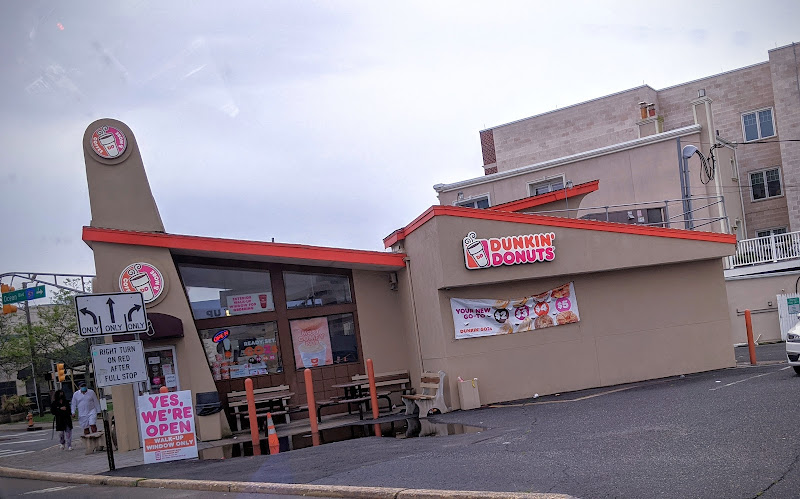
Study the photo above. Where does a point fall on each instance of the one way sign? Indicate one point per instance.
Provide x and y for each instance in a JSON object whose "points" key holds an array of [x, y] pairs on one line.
{"points": [[110, 313]]}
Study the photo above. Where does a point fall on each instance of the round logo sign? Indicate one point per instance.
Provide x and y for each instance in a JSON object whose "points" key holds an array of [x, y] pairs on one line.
{"points": [[142, 277], [108, 142]]}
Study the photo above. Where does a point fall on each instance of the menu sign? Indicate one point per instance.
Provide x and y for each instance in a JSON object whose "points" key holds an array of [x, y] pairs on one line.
{"points": [[476, 318], [509, 250], [167, 426], [249, 303], [312, 342]]}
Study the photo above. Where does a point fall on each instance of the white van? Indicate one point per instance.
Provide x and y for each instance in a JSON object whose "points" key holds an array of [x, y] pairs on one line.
{"points": [[793, 346]]}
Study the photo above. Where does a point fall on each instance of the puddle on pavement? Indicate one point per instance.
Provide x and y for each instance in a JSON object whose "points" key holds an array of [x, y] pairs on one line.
{"points": [[401, 428]]}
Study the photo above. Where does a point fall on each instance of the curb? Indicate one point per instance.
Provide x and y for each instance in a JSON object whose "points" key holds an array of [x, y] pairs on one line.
{"points": [[307, 490]]}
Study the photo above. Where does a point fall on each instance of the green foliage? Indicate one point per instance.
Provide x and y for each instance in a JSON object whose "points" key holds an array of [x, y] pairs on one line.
{"points": [[15, 404], [52, 337]]}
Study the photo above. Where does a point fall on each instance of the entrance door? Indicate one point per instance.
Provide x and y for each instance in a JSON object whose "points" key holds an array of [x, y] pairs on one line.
{"points": [[162, 369]]}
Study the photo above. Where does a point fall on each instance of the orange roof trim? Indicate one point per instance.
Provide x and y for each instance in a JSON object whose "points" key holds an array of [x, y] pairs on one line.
{"points": [[568, 223], [240, 247], [548, 197]]}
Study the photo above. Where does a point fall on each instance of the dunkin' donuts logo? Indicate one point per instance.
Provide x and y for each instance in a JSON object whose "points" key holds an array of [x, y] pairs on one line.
{"points": [[108, 142], [144, 278], [510, 250]]}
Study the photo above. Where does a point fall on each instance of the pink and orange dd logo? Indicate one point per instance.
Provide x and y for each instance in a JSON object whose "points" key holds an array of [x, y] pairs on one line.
{"points": [[108, 142], [144, 278]]}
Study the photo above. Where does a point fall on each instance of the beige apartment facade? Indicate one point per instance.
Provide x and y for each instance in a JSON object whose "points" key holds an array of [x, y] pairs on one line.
{"points": [[573, 304], [745, 111]]}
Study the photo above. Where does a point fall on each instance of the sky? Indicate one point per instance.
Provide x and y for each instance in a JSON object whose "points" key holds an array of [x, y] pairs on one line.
{"points": [[322, 123]]}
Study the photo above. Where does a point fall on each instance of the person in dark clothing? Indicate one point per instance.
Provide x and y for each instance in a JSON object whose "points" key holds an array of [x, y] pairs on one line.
{"points": [[63, 419]]}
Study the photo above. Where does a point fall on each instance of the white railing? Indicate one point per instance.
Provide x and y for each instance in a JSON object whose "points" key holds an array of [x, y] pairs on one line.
{"points": [[768, 249]]}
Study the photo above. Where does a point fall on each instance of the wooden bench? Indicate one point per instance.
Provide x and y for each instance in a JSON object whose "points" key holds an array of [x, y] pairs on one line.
{"points": [[432, 396], [274, 400], [94, 441], [393, 381]]}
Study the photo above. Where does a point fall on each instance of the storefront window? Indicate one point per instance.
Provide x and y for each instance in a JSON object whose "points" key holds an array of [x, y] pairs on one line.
{"points": [[242, 351], [313, 290], [218, 292], [323, 341]]}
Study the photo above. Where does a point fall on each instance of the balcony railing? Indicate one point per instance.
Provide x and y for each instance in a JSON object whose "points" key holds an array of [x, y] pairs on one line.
{"points": [[768, 249]]}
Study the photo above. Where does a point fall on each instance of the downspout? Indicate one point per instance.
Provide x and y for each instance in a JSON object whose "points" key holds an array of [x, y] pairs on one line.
{"points": [[687, 205], [414, 312]]}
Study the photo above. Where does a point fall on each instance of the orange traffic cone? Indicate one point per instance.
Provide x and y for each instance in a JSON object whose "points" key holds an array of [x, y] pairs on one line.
{"points": [[272, 436]]}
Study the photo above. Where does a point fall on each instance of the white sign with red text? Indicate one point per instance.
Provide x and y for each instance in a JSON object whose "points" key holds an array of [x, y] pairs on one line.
{"points": [[166, 421], [490, 317]]}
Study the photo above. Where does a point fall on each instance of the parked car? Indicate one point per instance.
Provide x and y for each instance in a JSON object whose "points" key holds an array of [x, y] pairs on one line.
{"points": [[793, 347]]}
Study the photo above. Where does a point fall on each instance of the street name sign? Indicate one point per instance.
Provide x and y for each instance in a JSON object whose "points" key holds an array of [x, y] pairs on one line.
{"points": [[119, 363], [110, 313], [23, 295]]}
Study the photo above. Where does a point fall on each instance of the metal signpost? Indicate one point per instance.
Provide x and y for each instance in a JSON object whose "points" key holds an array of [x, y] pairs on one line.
{"points": [[114, 363]]}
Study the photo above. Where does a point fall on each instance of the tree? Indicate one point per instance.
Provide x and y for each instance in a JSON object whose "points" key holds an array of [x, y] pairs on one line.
{"points": [[53, 337]]}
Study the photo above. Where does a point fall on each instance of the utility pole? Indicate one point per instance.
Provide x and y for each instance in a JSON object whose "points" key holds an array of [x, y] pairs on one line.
{"points": [[33, 352]]}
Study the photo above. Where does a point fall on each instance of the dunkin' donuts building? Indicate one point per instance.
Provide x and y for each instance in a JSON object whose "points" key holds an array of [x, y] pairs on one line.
{"points": [[526, 303]]}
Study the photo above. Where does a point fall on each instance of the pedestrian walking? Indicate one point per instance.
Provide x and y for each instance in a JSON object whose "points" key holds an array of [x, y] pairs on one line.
{"points": [[86, 404], [62, 419]]}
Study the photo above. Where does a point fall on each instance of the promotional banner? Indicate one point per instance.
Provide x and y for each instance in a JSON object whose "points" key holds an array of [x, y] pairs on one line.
{"points": [[166, 421], [476, 318], [312, 342]]}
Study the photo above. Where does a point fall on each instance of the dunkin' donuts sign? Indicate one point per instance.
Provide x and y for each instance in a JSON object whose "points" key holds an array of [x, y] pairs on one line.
{"points": [[144, 278], [509, 250]]}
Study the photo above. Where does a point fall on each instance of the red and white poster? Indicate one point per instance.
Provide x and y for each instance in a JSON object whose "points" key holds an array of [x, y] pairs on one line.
{"points": [[250, 303], [166, 421], [476, 318], [312, 342]]}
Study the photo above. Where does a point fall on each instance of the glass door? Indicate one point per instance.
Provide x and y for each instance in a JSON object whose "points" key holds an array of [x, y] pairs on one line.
{"points": [[162, 369]]}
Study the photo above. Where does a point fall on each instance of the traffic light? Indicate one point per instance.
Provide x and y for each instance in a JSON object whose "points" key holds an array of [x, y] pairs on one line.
{"points": [[7, 309], [60, 370]]}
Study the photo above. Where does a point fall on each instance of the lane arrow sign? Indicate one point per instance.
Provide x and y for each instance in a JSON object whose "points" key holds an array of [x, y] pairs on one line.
{"points": [[110, 303], [133, 309], [86, 311]]}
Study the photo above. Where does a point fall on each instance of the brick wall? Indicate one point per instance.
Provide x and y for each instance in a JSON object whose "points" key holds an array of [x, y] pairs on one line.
{"points": [[582, 127], [784, 67]]}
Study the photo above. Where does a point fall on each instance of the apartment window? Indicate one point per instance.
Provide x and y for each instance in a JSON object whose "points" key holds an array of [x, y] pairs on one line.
{"points": [[769, 232], [758, 125], [555, 184], [765, 184], [482, 203]]}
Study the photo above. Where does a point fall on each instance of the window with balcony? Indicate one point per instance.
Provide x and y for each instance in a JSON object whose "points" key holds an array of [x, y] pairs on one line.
{"points": [[481, 202]]}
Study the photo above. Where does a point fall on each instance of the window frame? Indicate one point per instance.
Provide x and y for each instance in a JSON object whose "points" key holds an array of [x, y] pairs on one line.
{"points": [[280, 314], [546, 180], [474, 199], [772, 230], [766, 188], [758, 124]]}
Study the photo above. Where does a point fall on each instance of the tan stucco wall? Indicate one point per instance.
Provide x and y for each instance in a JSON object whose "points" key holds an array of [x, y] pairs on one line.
{"points": [[649, 321], [121, 198], [384, 319], [755, 294]]}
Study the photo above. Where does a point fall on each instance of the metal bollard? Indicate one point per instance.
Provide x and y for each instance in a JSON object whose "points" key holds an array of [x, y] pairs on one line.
{"points": [[251, 412], [312, 406], [373, 395]]}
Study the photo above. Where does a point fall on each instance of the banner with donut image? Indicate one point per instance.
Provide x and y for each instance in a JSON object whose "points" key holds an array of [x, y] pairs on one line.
{"points": [[486, 317]]}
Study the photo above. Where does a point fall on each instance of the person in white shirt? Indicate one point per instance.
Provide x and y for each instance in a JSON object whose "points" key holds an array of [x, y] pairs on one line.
{"points": [[87, 405]]}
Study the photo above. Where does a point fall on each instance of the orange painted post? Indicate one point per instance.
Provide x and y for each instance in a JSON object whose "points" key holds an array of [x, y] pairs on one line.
{"points": [[163, 389], [312, 403], [748, 322], [373, 395], [251, 412]]}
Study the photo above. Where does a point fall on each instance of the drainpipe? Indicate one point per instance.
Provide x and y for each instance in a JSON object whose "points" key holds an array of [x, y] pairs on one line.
{"points": [[684, 177]]}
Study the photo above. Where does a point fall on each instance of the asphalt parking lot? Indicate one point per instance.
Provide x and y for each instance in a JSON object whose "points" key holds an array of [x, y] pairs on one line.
{"points": [[726, 434]]}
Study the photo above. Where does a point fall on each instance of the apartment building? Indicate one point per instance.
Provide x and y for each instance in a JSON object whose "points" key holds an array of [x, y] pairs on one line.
{"points": [[620, 158], [627, 141]]}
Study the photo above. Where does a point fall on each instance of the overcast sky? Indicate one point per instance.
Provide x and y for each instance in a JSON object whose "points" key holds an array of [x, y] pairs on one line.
{"points": [[322, 123]]}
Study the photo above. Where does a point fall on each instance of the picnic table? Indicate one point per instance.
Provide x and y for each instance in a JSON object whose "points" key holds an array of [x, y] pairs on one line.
{"points": [[355, 392], [274, 402]]}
